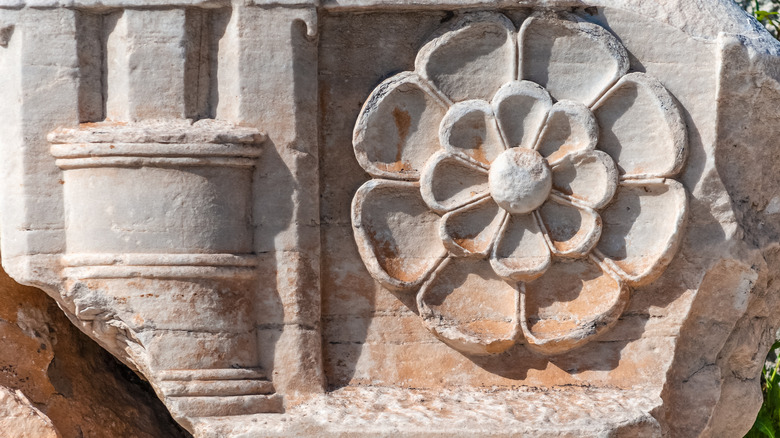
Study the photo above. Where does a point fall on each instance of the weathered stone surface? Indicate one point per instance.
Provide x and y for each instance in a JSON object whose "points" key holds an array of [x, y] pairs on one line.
{"points": [[56, 382], [19, 418], [382, 217], [387, 411]]}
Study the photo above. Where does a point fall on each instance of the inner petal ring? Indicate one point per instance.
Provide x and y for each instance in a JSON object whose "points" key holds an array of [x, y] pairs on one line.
{"points": [[520, 180]]}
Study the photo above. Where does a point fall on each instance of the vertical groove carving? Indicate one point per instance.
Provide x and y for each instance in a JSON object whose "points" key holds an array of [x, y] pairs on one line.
{"points": [[148, 64], [197, 71], [91, 53]]}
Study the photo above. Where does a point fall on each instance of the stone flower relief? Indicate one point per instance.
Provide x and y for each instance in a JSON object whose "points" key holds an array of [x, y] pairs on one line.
{"points": [[521, 182]]}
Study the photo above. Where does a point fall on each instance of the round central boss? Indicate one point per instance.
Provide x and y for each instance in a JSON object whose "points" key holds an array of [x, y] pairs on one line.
{"points": [[520, 180]]}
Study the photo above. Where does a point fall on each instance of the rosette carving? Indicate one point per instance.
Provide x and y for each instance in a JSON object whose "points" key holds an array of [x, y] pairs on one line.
{"points": [[522, 182]]}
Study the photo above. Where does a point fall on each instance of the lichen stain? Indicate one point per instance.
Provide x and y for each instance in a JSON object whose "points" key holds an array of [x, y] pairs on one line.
{"points": [[403, 121], [565, 149], [390, 260], [103, 124], [474, 242], [478, 153]]}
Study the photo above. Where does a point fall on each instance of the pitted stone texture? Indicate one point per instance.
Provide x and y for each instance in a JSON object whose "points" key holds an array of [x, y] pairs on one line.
{"points": [[388, 412], [158, 131]]}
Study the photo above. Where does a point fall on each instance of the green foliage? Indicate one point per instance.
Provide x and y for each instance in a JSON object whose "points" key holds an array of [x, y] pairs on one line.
{"points": [[767, 423], [770, 19]]}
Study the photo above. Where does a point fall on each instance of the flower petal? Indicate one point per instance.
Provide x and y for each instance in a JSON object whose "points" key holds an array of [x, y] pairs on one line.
{"points": [[469, 130], [521, 108], [589, 177], [397, 235], [471, 229], [520, 252], [466, 305], [571, 230], [642, 228], [642, 128], [397, 129], [572, 59], [473, 59], [573, 303], [449, 182], [570, 128]]}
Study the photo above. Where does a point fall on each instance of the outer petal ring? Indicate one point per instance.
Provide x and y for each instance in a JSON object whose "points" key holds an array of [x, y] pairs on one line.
{"points": [[584, 331], [366, 238]]}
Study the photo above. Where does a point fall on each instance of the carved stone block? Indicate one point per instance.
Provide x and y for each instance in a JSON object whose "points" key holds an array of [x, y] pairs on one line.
{"points": [[373, 217]]}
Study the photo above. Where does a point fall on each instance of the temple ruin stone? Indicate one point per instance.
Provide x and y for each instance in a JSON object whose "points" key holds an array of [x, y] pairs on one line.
{"points": [[398, 217]]}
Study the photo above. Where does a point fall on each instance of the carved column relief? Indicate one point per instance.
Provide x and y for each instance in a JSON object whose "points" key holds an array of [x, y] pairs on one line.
{"points": [[156, 255], [171, 228], [168, 263], [160, 258]]}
